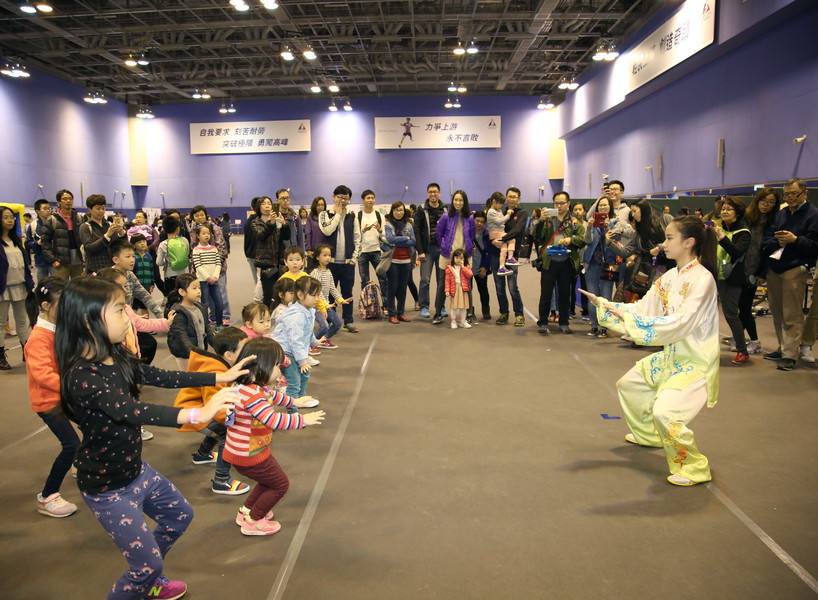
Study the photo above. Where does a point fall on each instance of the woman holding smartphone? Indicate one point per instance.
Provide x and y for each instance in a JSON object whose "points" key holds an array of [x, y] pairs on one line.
{"points": [[601, 263]]}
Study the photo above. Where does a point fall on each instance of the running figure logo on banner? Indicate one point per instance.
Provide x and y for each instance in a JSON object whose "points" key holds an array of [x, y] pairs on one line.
{"points": [[437, 132]]}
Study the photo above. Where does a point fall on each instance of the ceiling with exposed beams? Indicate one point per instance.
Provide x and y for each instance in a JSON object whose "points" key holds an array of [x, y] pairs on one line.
{"points": [[367, 47]]}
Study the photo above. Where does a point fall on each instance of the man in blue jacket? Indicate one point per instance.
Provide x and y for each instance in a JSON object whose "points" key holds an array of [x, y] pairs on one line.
{"points": [[34, 232]]}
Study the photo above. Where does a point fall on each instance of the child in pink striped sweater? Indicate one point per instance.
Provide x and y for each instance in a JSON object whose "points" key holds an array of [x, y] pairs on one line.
{"points": [[250, 431]]}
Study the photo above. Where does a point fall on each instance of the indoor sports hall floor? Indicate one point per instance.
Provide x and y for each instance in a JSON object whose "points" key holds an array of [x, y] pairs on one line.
{"points": [[471, 464]]}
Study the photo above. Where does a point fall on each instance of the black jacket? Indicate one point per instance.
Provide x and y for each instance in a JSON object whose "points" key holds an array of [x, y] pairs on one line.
{"points": [[182, 336], [423, 233], [269, 242], [736, 248], [56, 238]]}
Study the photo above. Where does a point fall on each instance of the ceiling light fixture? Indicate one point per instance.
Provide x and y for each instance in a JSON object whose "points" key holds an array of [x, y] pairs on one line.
{"points": [[332, 107], [6, 70], [240, 5], [601, 51], [347, 106], [309, 53], [95, 97], [545, 103], [452, 87], [612, 54], [315, 88], [44, 7], [197, 94], [15, 70], [205, 94], [456, 103], [145, 112], [269, 4], [572, 84], [28, 8], [448, 103], [472, 49], [568, 83], [223, 109], [333, 87], [286, 53], [461, 89], [459, 50], [142, 61], [231, 109], [131, 61]]}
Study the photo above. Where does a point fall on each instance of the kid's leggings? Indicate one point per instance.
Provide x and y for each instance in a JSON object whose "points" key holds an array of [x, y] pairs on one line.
{"points": [[121, 513]]}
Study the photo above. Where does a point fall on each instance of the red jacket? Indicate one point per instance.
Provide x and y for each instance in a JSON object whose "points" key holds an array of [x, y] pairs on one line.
{"points": [[465, 279]]}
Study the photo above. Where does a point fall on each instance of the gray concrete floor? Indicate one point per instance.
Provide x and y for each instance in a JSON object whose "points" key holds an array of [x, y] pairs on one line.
{"points": [[457, 465]]}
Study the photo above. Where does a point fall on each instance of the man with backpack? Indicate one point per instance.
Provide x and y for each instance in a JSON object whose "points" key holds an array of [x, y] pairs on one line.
{"points": [[173, 254], [369, 225]]}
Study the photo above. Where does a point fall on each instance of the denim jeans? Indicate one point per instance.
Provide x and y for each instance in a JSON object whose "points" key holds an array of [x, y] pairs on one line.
{"points": [[62, 429], [500, 287], [345, 275], [398, 282], [121, 513], [225, 300], [212, 298], [216, 433], [296, 380], [329, 326], [600, 287], [426, 267], [365, 259]]}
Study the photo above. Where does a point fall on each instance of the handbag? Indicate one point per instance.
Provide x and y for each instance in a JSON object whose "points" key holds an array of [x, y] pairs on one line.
{"points": [[385, 262], [609, 272], [639, 277]]}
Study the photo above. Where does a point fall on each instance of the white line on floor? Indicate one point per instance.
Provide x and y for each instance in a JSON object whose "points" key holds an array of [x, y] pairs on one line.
{"points": [[762, 535], [20, 441], [280, 584], [788, 560]]}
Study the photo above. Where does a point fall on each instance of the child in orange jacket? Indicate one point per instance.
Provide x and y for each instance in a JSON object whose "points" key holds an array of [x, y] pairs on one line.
{"points": [[457, 286], [226, 347], [44, 395]]}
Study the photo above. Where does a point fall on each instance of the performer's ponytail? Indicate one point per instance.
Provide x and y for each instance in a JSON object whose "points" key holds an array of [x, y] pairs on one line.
{"points": [[705, 241]]}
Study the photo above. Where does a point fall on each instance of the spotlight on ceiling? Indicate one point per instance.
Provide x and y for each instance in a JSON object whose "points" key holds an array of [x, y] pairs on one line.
{"points": [[28, 7], [459, 50], [231, 109], [472, 49], [142, 61], [456, 103], [461, 89], [286, 53], [309, 53], [347, 106], [145, 112], [333, 87], [315, 88], [545, 103], [223, 109], [612, 54], [448, 103], [332, 107], [452, 87], [131, 61], [269, 4]]}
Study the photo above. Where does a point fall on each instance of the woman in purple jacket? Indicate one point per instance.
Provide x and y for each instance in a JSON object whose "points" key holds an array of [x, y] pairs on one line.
{"points": [[312, 232], [455, 229]]}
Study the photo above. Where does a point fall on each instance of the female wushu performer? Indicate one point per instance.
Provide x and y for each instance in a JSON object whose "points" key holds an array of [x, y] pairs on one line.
{"points": [[666, 390]]}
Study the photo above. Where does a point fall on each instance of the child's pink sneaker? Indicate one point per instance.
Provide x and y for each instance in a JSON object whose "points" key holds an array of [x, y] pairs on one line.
{"points": [[165, 589], [245, 512], [260, 527]]}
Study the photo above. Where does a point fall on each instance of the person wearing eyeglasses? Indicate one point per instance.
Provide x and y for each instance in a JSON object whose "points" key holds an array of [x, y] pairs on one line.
{"points": [[34, 233], [792, 246], [338, 225], [428, 246], [60, 238]]}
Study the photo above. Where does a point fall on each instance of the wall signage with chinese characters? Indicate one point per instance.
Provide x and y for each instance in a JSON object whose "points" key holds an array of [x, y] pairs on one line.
{"points": [[245, 137], [691, 29], [449, 131]]}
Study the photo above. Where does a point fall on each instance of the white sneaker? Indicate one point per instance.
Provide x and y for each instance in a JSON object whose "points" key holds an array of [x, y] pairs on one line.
{"points": [[55, 506], [454, 324], [753, 347], [626, 337], [146, 435], [806, 355], [464, 325], [310, 403], [679, 480], [313, 362]]}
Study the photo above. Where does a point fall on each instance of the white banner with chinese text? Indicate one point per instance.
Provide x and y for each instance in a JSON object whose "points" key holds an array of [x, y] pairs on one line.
{"points": [[449, 131], [691, 29], [249, 137]]}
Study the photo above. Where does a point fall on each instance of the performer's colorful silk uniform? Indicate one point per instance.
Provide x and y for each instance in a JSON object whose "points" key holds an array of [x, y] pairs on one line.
{"points": [[665, 390]]}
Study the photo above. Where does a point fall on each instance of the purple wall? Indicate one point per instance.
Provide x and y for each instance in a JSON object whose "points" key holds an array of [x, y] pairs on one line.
{"points": [[757, 97], [343, 152], [50, 136]]}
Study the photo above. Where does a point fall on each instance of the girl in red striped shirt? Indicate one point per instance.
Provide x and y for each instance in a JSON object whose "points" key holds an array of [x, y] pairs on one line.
{"points": [[251, 430]]}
